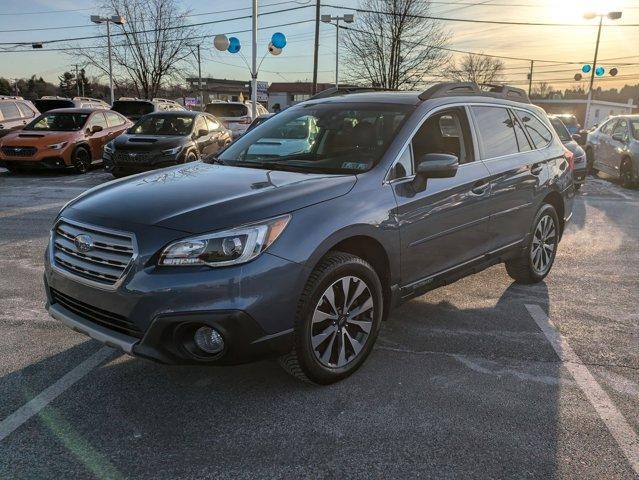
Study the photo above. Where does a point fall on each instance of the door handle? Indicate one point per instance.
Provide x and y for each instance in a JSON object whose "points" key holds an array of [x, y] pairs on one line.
{"points": [[536, 168], [479, 188]]}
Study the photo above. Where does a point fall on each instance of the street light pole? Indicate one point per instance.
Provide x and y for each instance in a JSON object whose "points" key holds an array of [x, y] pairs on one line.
{"points": [[118, 20], [349, 18], [589, 16], [254, 63], [316, 49]]}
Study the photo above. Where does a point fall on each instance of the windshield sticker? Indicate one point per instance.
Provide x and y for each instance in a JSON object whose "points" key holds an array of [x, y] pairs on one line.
{"points": [[355, 166]]}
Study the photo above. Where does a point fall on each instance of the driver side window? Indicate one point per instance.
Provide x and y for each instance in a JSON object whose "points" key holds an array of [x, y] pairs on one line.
{"points": [[444, 132]]}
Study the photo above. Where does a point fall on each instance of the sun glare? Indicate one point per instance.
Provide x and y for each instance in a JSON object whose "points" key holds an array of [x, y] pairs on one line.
{"points": [[573, 10]]}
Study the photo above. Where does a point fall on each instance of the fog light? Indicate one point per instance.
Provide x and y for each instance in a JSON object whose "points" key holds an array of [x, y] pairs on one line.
{"points": [[209, 340]]}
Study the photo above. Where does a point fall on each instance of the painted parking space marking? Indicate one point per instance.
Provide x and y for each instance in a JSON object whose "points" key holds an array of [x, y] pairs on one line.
{"points": [[622, 432], [44, 398]]}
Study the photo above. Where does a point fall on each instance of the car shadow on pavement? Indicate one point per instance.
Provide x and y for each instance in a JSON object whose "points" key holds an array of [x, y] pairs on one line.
{"points": [[450, 392]]}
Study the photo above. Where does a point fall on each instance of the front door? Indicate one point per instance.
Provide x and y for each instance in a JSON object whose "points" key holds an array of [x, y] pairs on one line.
{"points": [[98, 140], [618, 146], [444, 221]]}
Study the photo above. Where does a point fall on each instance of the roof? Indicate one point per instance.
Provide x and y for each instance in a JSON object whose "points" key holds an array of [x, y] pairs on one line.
{"points": [[75, 110], [176, 113], [408, 98]]}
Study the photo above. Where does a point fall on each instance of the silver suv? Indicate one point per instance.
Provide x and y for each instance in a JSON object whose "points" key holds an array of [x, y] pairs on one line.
{"points": [[613, 148], [15, 112]]}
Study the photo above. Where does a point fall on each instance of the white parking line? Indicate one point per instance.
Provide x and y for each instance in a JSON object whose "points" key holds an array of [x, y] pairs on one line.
{"points": [[617, 425], [33, 406]]}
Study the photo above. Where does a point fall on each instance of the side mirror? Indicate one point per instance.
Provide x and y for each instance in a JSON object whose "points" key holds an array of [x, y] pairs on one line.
{"points": [[95, 129], [437, 165], [619, 137], [576, 137], [201, 133]]}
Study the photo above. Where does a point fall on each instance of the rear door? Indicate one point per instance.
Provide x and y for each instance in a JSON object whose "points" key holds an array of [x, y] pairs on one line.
{"points": [[443, 223], [514, 165], [11, 116]]}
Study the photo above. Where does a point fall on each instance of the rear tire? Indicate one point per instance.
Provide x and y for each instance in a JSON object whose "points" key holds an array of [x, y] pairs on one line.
{"points": [[81, 160], [536, 261], [338, 318]]}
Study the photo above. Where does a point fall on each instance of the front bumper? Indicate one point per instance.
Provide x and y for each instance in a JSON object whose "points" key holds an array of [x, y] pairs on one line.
{"points": [[152, 162], [252, 305], [46, 163]]}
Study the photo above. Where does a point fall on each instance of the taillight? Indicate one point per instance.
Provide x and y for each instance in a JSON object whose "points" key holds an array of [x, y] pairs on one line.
{"points": [[245, 120], [570, 158]]}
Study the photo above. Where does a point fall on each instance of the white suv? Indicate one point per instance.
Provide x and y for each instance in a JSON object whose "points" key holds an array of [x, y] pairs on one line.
{"points": [[236, 116]]}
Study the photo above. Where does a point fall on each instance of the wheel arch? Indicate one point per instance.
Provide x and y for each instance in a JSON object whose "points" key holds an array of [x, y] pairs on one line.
{"points": [[81, 144], [555, 199]]}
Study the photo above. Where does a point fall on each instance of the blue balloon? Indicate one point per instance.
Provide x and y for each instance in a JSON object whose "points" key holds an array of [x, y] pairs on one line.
{"points": [[234, 45], [586, 68], [278, 40], [599, 71]]}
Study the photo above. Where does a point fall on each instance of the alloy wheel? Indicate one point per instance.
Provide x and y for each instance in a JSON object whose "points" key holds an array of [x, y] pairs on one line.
{"points": [[342, 322], [81, 160], [544, 243], [626, 175]]}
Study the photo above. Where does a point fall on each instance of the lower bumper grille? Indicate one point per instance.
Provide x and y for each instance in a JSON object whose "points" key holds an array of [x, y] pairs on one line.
{"points": [[96, 315]]}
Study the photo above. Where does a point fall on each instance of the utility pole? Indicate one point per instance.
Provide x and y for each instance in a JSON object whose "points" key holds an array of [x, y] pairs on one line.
{"points": [[77, 80], [254, 63], [530, 77], [316, 50]]}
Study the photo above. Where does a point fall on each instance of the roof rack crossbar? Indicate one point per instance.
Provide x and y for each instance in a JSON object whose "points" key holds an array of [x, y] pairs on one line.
{"points": [[334, 91], [458, 89]]}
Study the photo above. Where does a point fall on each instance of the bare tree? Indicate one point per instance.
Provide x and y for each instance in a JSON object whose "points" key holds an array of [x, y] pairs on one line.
{"points": [[542, 90], [478, 69], [151, 47], [392, 45]]}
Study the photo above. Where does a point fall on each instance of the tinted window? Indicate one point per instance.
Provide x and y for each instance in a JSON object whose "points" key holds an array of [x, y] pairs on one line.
{"points": [[132, 108], [59, 122], [634, 128], [25, 110], [227, 109], [621, 128], [444, 132], [98, 119], [44, 105], [537, 131], [560, 128], [9, 110], [114, 119], [496, 131], [165, 124], [520, 136]]}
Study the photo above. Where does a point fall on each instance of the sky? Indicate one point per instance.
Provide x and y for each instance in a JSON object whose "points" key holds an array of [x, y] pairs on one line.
{"points": [[545, 44]]}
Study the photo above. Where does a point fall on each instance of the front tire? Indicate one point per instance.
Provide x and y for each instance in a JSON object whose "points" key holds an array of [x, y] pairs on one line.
{"points": [[190, 157], [338, 319], [81, 160], [590, 161], [625, 174], [535, 262]]}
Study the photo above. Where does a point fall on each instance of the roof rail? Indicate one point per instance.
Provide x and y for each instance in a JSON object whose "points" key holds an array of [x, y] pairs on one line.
{"points": [[53, 97], [128, 98], [462, 89], [88, 99], [10, 97], [334, 91]]}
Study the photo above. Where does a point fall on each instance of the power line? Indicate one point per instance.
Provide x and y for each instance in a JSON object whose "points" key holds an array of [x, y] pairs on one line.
{"points": [[177, 27], [470, 20], [47, 11]]}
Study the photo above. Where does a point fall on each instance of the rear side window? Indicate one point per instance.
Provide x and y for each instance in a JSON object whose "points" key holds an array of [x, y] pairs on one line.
{"points": [[229, 110], [25, 110], [9, 110], [537, 131], [98, 119], [114, 119], [496, 130]]}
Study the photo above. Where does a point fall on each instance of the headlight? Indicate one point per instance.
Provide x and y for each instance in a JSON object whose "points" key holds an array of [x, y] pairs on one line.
{"points": [[109, 147], [58, 146], [228, 247], [172, 151]]}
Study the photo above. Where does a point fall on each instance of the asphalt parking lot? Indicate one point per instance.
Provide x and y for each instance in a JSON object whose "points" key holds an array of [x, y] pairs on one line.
{"points": [[480, 379]]}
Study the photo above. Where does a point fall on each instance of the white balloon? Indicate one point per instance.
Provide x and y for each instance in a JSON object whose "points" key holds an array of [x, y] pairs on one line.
{"points": [[273, 49], [221, 42]]}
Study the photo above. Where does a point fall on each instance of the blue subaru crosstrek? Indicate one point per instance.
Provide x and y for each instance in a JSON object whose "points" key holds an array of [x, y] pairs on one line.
{"points": [[300, 256]]}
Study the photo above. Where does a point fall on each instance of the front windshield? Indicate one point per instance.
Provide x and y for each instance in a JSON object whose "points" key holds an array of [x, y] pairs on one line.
{"points": [[329, 137], [59, 122], [634, 128], [163, 125], [560, 128]]}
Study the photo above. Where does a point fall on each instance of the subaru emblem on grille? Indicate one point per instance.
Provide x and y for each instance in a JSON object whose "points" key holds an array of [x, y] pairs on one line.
{"points": [[83, 242]]}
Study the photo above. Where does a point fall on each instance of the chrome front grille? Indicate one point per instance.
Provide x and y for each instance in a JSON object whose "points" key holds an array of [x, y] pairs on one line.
{"points": [[92, 253]]}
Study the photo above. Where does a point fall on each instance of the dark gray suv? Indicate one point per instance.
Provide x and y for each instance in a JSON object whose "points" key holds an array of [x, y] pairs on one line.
{"points": [[302, 255]]}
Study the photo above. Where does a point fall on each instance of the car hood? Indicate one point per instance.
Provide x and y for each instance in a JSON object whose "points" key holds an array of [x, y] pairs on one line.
{"points": [[575, 148], [34, 137], [200, 197], [148, 142]]}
